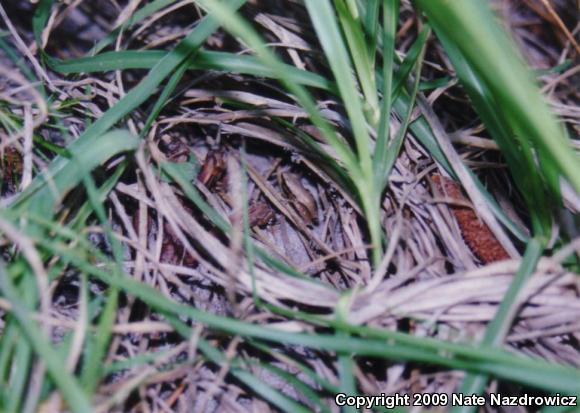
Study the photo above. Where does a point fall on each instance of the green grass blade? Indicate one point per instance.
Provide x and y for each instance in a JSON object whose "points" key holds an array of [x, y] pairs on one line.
{"points": [[260, 387], [106, 61], [72, 393], [8, 342], [325, 24], [40, 18], [347, 381], [93, 367], [20, 372], [499, 327], [390, 18], [204, 60], [18, 61], [163, 97], [491, 54], [395, 147], [410, 60], [323, 383], [371, 26], [48, 189], [82, 214], [299, 385], [358, 50], [137, 360], [267, 392]]}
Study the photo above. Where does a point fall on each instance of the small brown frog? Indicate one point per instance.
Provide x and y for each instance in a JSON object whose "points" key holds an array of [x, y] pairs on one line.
{"points": [[213, 169], [300, 198], [260, 214]]}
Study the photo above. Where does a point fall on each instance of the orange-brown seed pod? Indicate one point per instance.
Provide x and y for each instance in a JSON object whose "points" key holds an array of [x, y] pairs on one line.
{"points": [[475, 232]]}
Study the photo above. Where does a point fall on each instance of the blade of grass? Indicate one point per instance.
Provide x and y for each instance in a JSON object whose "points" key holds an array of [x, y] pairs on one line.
{"points": [[298, 384], [19, 375], [323, 383], [410, 60], [390, 18], [92, 369], [371, 26], [357, 48], [137, 360], [320, 381], [82, 214], [324, 21], [18, 353], [7, 344], [19, 62], [345, 363], [163, 97], [499, 327], [445, 81], [492, 56], [40, 19], [48, 189], [67, 385], [395, 147], [267, 392], [204, 60]]}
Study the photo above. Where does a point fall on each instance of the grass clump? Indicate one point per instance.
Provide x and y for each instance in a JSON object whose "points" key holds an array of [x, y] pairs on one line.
{"points": [[235, 205]]}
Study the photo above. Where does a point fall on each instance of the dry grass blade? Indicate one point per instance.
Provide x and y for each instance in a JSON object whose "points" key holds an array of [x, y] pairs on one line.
{"points": [[278, 226]]}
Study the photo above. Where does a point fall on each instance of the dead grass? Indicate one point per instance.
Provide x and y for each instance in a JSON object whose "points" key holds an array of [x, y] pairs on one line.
{"points": [[429, 284]]}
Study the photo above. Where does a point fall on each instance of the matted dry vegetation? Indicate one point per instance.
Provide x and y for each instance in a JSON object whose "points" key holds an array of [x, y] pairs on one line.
{"points": [[236, 138]]}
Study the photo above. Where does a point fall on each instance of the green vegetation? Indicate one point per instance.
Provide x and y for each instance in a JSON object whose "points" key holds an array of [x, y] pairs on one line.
{"points": [[49, 228]]}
